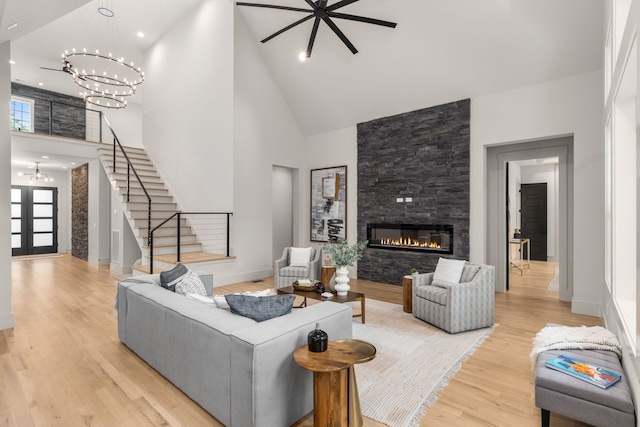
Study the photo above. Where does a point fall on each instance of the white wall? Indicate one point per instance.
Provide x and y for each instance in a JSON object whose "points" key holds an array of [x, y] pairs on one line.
{"points": [[61, 181], [98, 213], [547, 173], [329, 149], [126, 123], [265, 134], [282, 210], [6, 312], [513, 186], [188, 122], [563, 107]]}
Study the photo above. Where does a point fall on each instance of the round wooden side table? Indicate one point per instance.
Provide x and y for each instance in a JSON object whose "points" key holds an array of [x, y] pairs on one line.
{"points": [[330, 391], [365, 352]]}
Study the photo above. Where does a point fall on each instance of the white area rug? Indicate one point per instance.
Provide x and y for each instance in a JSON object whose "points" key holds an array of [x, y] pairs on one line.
{"points": [[554, 284], [414, 362]]}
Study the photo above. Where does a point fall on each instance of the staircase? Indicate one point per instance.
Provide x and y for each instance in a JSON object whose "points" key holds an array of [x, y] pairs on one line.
{"points": [[135, 205]]}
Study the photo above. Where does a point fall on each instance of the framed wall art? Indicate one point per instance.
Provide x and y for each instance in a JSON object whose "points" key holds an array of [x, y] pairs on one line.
{"points": [[329, 204]]}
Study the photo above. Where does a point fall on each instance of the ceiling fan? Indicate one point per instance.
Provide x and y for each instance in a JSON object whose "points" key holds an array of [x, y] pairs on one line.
{"points": [[66, 68], [320, 10]]}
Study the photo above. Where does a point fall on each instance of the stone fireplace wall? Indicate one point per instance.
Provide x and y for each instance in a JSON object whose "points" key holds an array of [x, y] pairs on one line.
{"points": [[423, 155]]}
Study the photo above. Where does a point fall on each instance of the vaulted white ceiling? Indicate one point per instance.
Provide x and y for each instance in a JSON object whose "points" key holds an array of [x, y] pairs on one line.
{"points": [[441, 50]]}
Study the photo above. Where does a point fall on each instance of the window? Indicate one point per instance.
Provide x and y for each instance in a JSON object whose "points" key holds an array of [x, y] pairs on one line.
{"points": [[22, 114]]}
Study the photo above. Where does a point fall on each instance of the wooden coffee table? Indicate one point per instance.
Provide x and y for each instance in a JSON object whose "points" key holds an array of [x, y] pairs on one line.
{"points": [[350, 297]]}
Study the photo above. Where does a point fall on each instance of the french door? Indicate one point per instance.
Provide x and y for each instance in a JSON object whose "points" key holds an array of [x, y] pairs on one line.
{"points": [[34, 220]]}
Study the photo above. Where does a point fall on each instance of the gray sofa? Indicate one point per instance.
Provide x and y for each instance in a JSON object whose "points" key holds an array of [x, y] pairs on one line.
{"points": [[456, 307], [239, 370]]}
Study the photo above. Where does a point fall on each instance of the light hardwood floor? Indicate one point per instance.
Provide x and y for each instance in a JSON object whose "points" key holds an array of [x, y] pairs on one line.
{"points": [[62, 364]]}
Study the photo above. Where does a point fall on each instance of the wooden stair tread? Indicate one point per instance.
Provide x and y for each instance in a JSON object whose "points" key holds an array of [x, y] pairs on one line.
{"points": [[191, 257]]}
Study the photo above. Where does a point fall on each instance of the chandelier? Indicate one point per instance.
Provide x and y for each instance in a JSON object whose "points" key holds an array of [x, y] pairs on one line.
{"points": [[106, 80], [37, 175]]}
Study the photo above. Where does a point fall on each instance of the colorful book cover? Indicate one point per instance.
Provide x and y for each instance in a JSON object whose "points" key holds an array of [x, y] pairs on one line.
{"points": [[593, 374]]}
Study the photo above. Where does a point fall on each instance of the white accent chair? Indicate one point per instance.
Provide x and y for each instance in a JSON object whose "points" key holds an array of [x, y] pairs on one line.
{"points": [[456, 307], [285, 274]]}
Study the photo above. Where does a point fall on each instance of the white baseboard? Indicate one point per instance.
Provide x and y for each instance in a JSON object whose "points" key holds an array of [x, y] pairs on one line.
{"points": [[586, 308], [6, 320], [118, 268], [98, 261]]}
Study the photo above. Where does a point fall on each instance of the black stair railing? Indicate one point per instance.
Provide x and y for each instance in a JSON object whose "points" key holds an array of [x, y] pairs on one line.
{"points": [[130, 169], [178, 216]]}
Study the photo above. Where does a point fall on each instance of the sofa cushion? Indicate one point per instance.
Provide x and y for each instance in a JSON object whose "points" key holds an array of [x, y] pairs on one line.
{"points": [[190, 283], [449, 270], [260, 308], [300, 257], [433, 294], [169, 278]]}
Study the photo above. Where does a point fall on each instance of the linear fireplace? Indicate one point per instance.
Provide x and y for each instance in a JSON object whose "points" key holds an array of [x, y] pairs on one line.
{"points": [[411, 237]]}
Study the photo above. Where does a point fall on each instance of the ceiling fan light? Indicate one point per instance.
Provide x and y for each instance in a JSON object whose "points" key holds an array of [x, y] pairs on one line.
{"points": [[302, 56]]}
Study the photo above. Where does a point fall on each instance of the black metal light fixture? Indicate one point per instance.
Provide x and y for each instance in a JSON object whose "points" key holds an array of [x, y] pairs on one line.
{"points": [[321, 10]]}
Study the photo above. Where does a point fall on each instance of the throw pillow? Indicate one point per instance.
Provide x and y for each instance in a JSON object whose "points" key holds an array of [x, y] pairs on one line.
{"points": [[260, 308], [300, 257], [449, 270], [221, 301], [169, 278], [191, 284]]}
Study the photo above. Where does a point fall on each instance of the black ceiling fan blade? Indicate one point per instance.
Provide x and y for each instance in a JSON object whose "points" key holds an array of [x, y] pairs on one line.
{"points": [[362, 19], [312, 4], [53, 69], [288, 27], [273, 6], [340, 34], [340, 4], [312, 39]]}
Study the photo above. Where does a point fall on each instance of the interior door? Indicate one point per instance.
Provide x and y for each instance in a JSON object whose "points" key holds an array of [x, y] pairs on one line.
{"points": [[533, 219], [34, 220]]}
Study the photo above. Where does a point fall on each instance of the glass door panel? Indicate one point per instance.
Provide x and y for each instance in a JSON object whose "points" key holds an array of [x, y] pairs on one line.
{"points": [[34, 222]]}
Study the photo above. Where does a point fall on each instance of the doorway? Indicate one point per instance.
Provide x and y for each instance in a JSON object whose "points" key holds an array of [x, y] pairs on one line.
{"points": [[533, 214], [282, 210], [34, 220], [500, 230]]}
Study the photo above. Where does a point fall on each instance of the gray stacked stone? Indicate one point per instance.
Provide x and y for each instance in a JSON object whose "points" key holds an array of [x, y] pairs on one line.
{"points": [[80, 212], [65, 114], [424, 155]]}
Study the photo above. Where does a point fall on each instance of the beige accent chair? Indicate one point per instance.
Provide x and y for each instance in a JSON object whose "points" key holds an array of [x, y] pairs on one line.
{"points": [[285, 274]]}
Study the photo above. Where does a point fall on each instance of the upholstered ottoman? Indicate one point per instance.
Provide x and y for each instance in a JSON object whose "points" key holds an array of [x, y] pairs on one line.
{"points": [[562, 394]]}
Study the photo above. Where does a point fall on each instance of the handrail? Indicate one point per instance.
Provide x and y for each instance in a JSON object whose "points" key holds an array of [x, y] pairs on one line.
{"points": [[178, 233], [129, 169]]}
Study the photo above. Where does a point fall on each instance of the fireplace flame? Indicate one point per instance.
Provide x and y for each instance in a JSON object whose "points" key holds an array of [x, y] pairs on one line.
{"points": [[409, 242]]}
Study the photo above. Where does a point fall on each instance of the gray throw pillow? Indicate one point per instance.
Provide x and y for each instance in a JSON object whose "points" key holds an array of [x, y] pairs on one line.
{"points": [[169, 278], [260, 308]]}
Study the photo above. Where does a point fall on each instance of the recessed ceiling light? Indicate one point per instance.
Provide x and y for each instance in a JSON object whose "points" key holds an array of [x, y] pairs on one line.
{"points": [[40, 84], [45, 157], [12, 62], [73, 163], [12, 26], [303, 56], [140, 34], [64, 167]]}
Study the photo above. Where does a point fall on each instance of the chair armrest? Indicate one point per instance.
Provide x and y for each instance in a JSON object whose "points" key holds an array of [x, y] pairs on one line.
{"points": [[423, 279], [279, 263]]}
